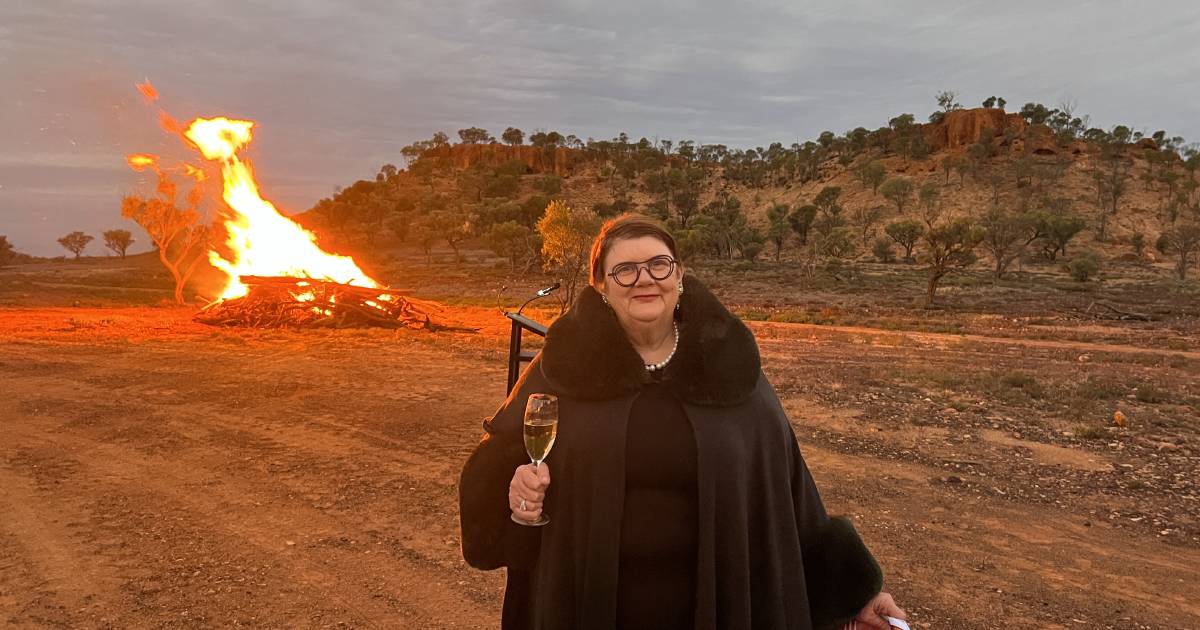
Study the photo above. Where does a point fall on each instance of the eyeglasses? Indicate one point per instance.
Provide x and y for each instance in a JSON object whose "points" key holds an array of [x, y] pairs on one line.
{"points": [[628, 274]]}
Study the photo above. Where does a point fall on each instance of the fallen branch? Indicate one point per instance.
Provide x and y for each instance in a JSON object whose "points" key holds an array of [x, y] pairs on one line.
{"points": [[1123, 314]]}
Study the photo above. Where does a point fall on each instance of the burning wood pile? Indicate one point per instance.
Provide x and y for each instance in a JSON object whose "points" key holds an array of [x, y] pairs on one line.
{"points": [[276, 273], [287, 302]]}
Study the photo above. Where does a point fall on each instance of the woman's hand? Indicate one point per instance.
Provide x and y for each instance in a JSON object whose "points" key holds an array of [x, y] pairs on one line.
{"points": [[871, 615], [527, 491]]}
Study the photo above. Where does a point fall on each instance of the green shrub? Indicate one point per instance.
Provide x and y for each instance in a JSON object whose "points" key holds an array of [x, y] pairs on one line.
{"points": [[1084, 266], [1099, 389], [1150, 394], [1091, 433], [883, 250], [1018, 379]]}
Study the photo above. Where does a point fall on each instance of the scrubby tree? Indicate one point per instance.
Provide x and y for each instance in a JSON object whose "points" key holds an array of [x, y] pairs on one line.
{"points": [[76, 242], [510, 240], [827, 201], [1138, 243], [566, 238], [907, 139], [897, 190], [178, 232], [425, 233], [548, 184], [1036, 113], [686, 186], [1055, 228], [1084, 266], [994, 101], [452, 225], [475, 135], [750, 243], [726, 227], [546, 140], [1183, 240], [872, 174], [513, 136], [400, 224], [958, 164], [1110, 173], [6, 251], [473, 180], [930, 196], [502, 187], [801, 220], [118, 241], [905, 232], [838, 243], [948, 100], [948, 247], [866, 218], [1005, 235], [778, 227], [883, 250]]}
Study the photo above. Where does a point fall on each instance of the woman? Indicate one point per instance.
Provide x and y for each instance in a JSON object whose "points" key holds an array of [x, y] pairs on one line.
{"points": [[678, 498]]}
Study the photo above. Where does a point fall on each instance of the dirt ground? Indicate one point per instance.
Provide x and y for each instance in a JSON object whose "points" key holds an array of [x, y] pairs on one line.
{"points": [[155, 472]]}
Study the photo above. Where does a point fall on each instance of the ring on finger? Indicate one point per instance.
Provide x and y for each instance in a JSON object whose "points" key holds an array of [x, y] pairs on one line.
{"points": [[524, 508]]}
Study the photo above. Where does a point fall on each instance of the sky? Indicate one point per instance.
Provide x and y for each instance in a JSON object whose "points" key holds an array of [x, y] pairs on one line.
{"points": [[337, 88]]}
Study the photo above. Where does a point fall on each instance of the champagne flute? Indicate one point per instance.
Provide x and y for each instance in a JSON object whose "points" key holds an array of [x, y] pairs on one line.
{"points": [[541, 427]]}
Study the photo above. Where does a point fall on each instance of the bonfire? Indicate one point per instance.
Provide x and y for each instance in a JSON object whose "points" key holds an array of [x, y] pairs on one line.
{"points": [[276, 274]]}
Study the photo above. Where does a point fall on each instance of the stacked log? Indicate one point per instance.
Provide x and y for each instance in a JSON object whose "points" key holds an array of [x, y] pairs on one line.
{"points": [[286, 302]]}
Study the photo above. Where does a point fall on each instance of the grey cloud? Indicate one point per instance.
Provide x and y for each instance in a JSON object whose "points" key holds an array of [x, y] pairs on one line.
{"points": [[339, 88]]}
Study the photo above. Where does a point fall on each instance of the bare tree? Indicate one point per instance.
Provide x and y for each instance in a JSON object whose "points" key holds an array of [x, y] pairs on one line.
{"points": [[867, 218]]}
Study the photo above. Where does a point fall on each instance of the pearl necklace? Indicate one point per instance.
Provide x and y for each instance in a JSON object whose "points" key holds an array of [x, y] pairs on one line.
{"points": [[654, 367]]}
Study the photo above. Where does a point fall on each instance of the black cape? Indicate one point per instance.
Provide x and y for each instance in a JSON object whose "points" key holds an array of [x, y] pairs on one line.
{"points": [[769, 556]]}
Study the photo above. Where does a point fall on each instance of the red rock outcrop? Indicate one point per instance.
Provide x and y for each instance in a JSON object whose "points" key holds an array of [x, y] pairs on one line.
{"points": [[1039, 140], [963, 127], [1147, 143]]}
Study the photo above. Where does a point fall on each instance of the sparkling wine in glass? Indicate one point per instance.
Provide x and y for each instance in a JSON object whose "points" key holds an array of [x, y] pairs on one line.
{"points": [[541, 427]]}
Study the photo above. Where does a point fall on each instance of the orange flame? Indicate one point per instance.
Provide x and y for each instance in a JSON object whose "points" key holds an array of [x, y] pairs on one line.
{"points": [[262, 241], [169, 124], [139, 161], [194, 173], [148, 91]]}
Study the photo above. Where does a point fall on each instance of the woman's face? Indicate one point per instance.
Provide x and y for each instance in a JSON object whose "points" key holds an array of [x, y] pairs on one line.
{"points": [[648, 300]]}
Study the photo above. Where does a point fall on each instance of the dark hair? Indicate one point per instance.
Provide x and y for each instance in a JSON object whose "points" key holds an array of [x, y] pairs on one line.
{"points": [[624, 227]]}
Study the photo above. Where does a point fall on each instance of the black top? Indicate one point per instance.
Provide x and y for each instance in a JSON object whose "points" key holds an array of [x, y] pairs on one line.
{"points": [[656, 582]]}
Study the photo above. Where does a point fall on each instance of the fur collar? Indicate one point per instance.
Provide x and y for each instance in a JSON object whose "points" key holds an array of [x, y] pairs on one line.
{"points": [[587, 354]]}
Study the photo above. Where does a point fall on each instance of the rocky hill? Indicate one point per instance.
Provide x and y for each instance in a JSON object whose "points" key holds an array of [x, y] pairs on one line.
{"points": [[969, 161]]}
